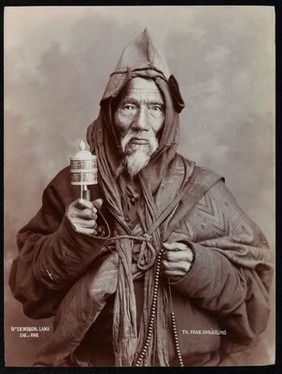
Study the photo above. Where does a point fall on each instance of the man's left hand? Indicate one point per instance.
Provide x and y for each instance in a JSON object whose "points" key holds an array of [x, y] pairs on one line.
{"points": [[177, 260]]}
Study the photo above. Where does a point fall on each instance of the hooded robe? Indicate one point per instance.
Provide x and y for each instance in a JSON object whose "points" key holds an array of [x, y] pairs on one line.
{"points": [[104, 315]]}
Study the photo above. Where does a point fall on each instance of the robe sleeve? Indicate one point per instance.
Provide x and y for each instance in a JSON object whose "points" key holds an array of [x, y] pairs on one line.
{"points": [[231, 273], [51, 254]]}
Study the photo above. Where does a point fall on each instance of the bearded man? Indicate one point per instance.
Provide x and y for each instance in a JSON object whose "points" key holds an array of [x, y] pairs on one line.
{"points": [[161, 268]]}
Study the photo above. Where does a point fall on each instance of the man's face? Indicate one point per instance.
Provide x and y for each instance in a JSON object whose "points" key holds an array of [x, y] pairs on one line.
{"points": [[139, 117]]}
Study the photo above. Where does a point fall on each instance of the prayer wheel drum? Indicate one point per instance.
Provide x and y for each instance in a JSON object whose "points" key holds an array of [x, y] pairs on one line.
{"points": [[83, 169]]}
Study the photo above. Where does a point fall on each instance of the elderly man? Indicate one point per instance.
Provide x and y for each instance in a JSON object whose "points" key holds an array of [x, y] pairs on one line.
{"points": [[161, 268]]}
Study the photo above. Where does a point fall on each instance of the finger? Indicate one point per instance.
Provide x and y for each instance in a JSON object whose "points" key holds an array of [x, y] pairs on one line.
{"points": [[174, 277], [86, 214], [179, 246], [174, 273], [98, 203], [91, 224], [173, 266], [83, 203], [180, 266], [83, 230], [186, 255]]}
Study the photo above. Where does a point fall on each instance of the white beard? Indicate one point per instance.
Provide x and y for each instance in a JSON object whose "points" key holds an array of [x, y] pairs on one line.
{"points": [[137, 156]]}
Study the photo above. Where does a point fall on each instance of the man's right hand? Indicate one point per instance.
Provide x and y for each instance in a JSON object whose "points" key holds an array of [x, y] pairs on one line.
{"points": [[83, 215]]}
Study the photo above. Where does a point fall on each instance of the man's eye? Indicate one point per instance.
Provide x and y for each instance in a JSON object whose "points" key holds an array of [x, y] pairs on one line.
{"points": [[129, 107], [157, 108]]}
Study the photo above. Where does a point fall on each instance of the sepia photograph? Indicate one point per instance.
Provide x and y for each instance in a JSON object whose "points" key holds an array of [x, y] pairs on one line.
{"points": [[139, 186]]}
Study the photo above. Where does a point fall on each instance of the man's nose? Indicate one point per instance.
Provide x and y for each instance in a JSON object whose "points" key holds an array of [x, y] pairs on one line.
{"points": [[141, 121]]}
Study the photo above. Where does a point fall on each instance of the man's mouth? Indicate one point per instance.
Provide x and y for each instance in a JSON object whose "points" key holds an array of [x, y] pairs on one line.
{"points": [[138, 141]]}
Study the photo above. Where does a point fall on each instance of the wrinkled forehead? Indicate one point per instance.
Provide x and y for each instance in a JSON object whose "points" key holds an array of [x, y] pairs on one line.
{"points": [[142, 89]]}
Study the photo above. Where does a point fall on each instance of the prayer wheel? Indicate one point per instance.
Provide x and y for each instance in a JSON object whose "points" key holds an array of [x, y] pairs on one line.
{"points": [[83, 169]]}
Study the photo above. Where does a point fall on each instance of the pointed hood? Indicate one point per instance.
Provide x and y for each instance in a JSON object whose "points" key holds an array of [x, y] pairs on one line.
{"points": [[141, 54], [141, 58]]}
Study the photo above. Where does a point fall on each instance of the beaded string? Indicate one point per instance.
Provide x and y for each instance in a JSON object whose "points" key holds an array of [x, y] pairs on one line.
{"points": [[174, 330], [153, 309]]}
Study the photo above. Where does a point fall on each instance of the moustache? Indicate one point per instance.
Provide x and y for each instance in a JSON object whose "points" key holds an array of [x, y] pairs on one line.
{"points": [[139, 139]]}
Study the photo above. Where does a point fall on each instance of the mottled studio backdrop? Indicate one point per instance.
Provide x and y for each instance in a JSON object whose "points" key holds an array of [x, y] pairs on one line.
{"points": [[57, 63]]}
